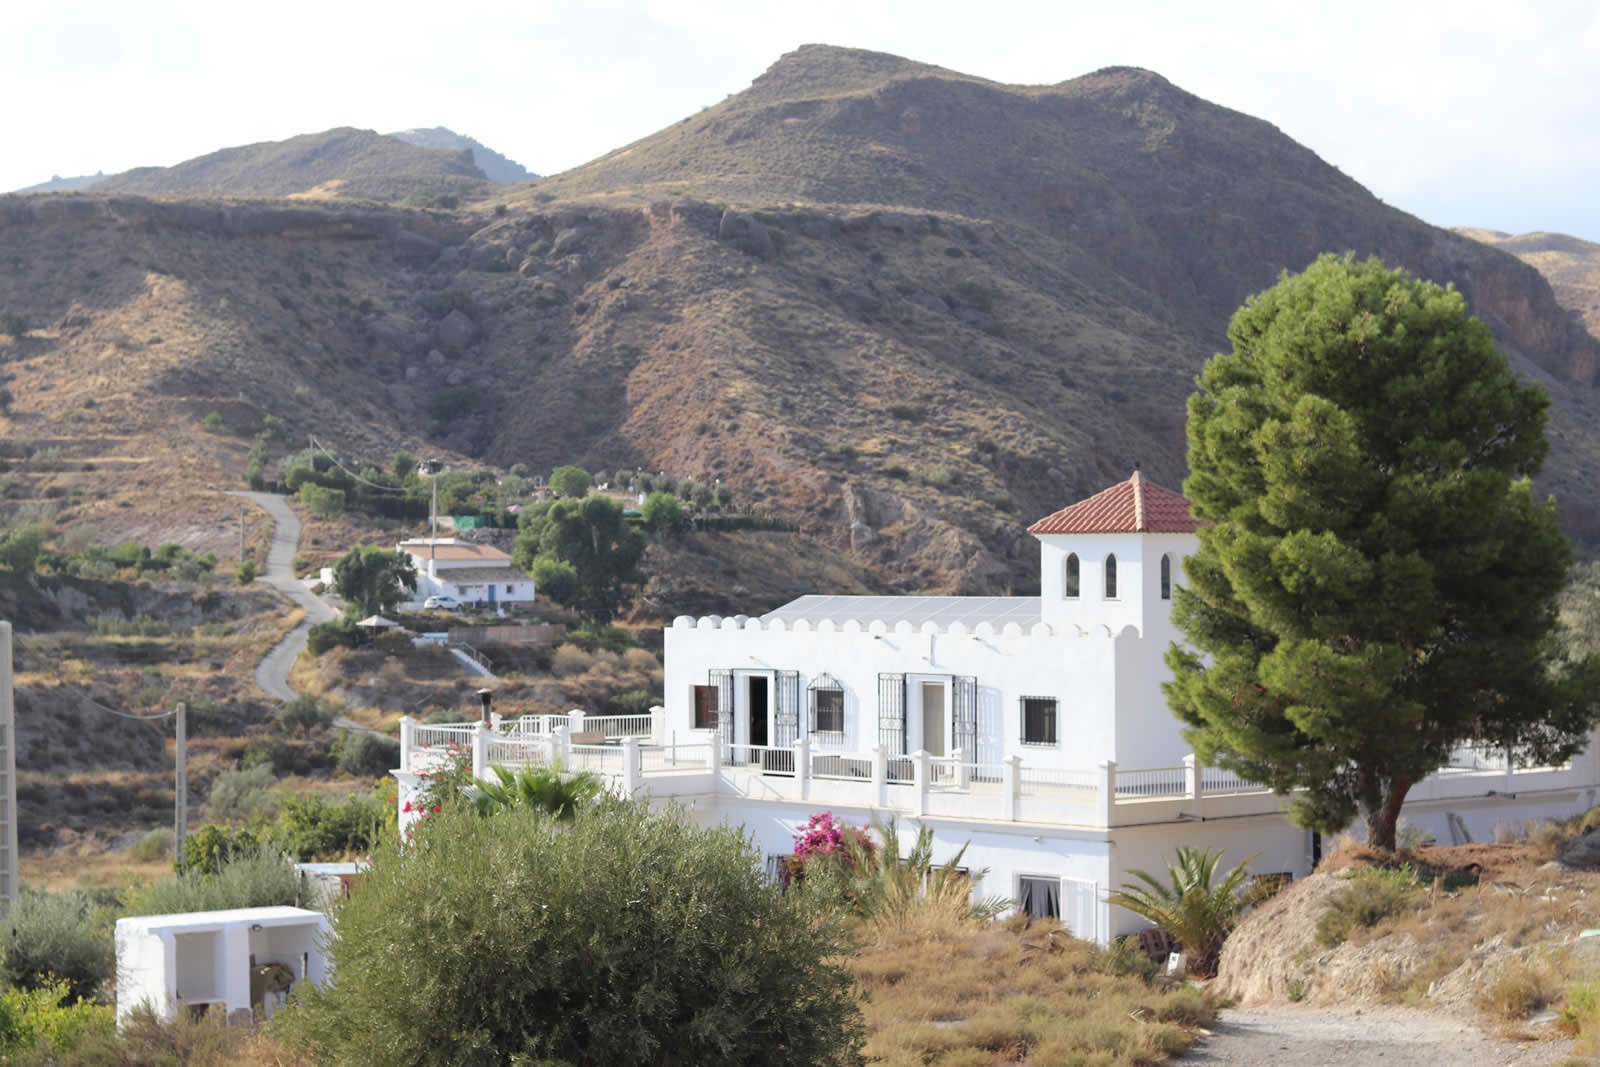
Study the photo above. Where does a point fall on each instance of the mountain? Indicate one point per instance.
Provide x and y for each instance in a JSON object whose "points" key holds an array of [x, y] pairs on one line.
{"points": [[496, 167], [1571, 264], [338, 163], [58, 184], [907, 309]]}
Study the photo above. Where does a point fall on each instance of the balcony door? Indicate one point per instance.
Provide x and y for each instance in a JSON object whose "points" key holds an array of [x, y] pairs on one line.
{"points": [[935, 719], [758, 707]]}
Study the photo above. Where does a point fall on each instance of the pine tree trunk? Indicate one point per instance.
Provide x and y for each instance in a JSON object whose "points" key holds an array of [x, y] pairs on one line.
{"points": [[1383, 819]]}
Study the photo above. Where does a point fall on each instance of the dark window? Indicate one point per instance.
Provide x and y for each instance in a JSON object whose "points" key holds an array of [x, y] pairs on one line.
{"points": [[705, 707], [1072, 577], [1038, 720], [1039, 898], [1166, 577], [1111, 577], [511, 589], [827, 711]]}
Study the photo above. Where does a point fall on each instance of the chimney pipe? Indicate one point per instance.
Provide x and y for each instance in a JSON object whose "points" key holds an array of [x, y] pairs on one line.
{"points": [[485, 697]]}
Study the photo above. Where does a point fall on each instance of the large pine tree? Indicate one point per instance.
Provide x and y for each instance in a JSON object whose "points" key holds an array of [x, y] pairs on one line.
{"points": [[1375, 584]]}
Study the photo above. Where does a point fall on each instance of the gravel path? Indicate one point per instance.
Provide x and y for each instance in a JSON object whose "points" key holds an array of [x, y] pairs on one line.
{"points": [[1293, 1036], [272, 673]]}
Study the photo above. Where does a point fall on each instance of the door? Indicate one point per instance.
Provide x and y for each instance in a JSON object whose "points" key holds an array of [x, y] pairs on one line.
{"points": [[491, 592], [933, 719], [758, 702]]}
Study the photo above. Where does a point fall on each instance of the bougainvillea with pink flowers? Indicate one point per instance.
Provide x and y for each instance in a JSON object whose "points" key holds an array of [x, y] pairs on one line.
{"points": [[825, 837]]}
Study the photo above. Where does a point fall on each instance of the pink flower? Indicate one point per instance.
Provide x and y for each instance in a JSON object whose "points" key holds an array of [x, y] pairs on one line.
{"points": [[407, 807], [436, 807]]}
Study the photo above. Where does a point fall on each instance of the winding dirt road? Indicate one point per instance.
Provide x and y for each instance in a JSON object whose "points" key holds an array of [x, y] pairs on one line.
{"points": [[272, 673]]}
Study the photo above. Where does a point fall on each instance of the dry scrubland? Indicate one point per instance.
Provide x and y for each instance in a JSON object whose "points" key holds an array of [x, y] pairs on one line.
{"points": [[1488, 932]]}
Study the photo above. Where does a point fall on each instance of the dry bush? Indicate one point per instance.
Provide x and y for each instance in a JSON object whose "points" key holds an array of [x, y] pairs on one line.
{"points": [[959, 994], [637, 659], [1521, 987], [570, 661]]}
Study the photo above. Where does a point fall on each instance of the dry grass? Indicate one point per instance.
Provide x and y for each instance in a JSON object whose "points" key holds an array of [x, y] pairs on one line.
{"points": [[1521, 987], [947, 995]]}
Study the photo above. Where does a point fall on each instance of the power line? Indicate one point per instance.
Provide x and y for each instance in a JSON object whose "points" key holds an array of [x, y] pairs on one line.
{"points": [[311, 443], [128, 714]]}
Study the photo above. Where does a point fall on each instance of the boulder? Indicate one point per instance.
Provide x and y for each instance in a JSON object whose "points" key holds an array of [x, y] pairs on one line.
{"points": [[489, 257], [569, 241], [456, 331]]}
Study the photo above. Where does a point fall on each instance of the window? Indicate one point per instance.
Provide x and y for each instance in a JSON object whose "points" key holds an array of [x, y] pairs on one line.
{"points": [[705, 707], [1071, 584], [1038, 720], [1039, 898], [1111, 577], [827, 705], [510, 589], [1166, 577]]}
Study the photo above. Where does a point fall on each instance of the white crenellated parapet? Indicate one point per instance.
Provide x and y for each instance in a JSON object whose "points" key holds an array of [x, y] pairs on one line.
{"points": [[826, 626], [709, 622], [801, 626], [851, 626], [683, 622], [878, 626], [984, 629], [903, 628]]}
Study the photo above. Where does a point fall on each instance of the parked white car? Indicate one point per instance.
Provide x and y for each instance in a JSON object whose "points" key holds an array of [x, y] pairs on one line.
{"points": [[441, 603]]}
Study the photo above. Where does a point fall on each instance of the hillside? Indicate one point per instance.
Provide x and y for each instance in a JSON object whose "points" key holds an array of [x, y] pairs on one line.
{"points": [[496, 167], [910, 310], [58, 184], [343, 162], [1572, 265]]}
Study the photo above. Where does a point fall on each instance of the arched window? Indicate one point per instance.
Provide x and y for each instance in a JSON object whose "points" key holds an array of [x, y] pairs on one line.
{"points": [[1111, 577], [1071, 585], [1166, 577]]}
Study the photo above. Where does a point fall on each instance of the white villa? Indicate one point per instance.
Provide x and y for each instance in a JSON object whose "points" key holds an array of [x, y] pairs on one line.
{"points": [[472, 573], [1032, 729]]}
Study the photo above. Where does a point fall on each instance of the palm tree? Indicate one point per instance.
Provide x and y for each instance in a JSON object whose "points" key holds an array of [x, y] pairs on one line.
{"points": [[541, 788], [1190, 908]]}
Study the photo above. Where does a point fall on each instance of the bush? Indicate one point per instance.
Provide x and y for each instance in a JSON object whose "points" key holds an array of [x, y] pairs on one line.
{"points": [[306, 713], [246, 572], [628, 937], [1372, 896], [212, 423], [13, 323], [312, 827], [209, 848], [661, 512], [326, 636], [455, 402], [240, 793], [906, 412], [58, 936], [42, 1022], [366, 755], [155, 845], [328, 503], [259, 877], [571, 482]]}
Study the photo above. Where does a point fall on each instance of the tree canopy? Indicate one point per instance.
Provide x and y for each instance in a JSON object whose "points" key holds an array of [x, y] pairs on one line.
{"points": [[591, 536], [621, 936], [1375, 582], [372, 580], [572, 482]]}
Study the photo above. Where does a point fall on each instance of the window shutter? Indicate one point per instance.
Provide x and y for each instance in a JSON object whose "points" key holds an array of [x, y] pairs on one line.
{"points": [[966, 701], [723, 680], [788, 708]]}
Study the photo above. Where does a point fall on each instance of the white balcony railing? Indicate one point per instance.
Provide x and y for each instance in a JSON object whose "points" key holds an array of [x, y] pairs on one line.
{"points": [[643, 761]]}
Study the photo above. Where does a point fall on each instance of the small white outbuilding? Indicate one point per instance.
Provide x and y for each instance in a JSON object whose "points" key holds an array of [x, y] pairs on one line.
{"points": [[239, 959]]}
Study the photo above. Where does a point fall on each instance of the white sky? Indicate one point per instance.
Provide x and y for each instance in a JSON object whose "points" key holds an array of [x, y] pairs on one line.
{"points": [[1465, 112]]}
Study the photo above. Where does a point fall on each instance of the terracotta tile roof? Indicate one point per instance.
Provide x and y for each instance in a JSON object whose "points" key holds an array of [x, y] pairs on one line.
{"points": [[1133, 506], [457, 551]]}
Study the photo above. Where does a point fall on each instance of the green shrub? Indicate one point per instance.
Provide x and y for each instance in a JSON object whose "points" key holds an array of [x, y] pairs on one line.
{"points": [[312, 827], [569, 481], [138, 626], [275, 753], [627, 937], [634, 702], [305, 713], [212, 423], [455, 402], [609, 636], [240, 794], [906, 412], [1124, 957], [328, 503], [939, 477], [246, 572], [339, 633], [207, 849], [61, 936], [36, 1024], [1371, 896], [366, 755], [13, 323], [661, 512], [258, 877], [155, 845]]}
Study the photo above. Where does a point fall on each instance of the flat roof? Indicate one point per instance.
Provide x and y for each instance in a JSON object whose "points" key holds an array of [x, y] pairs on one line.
{"points": [[215, 920], [943, 610]]}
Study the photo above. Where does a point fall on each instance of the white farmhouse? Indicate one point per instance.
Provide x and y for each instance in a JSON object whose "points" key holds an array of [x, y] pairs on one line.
{"points": [[472, 573], [1032, 729]]}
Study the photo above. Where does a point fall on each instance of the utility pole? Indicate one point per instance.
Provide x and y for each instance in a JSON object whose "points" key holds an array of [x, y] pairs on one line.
{"points": [[181, 808], [241, 533], [8, 768]]}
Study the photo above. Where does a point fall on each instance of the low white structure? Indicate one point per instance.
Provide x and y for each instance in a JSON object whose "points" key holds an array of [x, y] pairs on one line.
{"points": [[1032, 729], [238, 959], [472, 573]]}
